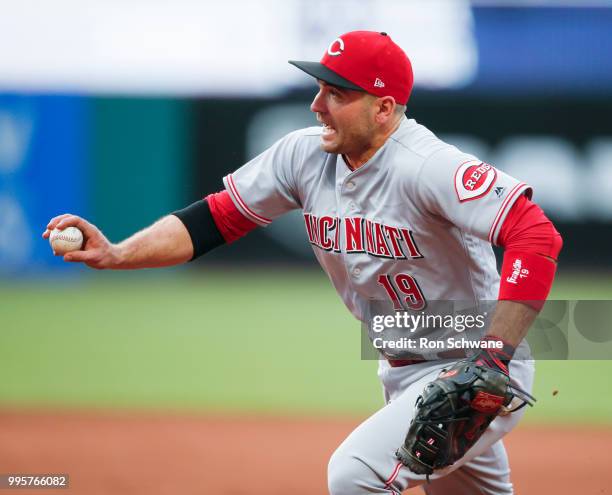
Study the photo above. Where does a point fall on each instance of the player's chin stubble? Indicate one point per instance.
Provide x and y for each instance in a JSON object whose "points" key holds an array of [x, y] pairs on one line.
{"points": [[332, 147], [351, 143]]}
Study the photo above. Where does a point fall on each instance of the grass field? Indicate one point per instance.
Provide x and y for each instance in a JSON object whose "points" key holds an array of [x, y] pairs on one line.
{"points": [[260, 340]]}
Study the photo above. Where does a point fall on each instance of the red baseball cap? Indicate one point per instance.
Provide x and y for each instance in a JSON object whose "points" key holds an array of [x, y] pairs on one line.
{"points": [[365, 61]]}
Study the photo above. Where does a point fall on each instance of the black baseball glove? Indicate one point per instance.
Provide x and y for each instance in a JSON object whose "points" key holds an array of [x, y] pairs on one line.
{"points": [[454, 411]]}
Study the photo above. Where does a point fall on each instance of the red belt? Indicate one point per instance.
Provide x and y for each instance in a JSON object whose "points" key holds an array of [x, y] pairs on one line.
{"points": [[397, 363]]}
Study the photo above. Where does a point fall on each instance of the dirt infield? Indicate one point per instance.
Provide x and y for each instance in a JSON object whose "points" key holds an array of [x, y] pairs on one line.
{"points": [[122, 453]]}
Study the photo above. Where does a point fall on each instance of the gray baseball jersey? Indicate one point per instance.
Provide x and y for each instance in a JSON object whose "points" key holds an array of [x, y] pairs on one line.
{"points": [[415, 223], [412, 225]]}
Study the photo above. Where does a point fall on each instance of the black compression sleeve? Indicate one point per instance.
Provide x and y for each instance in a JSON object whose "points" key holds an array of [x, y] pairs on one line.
{"points": [[198, 220]]}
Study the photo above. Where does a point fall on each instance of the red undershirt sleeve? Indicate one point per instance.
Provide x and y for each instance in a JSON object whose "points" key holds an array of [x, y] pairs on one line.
{"points": [[232, 224], [532, 245]]}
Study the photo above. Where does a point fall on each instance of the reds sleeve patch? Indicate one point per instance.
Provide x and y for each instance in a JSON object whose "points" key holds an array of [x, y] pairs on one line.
{"points": [[473, 180]]}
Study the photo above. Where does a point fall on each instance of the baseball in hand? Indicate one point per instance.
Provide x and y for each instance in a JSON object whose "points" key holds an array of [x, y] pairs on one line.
{"points": [[64, 241]]}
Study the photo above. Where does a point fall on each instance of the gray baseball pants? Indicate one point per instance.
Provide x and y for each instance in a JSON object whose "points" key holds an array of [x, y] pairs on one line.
{"points": [[365, 462]]}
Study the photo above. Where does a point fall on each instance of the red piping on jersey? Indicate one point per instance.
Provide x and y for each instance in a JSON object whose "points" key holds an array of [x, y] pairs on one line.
{"points": [[531, 245], [230, 221], [243, 205]]}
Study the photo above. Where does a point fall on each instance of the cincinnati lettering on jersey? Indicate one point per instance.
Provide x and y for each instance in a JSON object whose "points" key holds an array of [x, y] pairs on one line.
{"points": [[360, 235]]}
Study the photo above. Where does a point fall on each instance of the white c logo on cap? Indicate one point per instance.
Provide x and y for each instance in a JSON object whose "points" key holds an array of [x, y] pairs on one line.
{"points": [[340, 47]]}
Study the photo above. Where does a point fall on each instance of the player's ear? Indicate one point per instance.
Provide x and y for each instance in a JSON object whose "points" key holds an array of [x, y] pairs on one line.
{"points": [[385, 108]]}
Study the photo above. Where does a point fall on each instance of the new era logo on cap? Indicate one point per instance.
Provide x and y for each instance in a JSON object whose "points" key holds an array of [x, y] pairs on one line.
{"points": [[367, 61]]}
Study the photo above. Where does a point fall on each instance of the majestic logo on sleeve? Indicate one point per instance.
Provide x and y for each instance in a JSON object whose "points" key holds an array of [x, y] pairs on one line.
{"points": [[473, 180]]}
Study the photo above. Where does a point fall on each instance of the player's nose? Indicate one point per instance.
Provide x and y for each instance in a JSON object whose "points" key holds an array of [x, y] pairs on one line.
{"points": [[318, 104]]}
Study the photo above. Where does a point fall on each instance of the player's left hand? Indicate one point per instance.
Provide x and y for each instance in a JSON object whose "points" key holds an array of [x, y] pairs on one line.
{"points": [[453, 412]]}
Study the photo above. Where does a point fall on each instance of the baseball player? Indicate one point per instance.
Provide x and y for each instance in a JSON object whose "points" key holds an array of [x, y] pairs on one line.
{"points": [[393, 213]]}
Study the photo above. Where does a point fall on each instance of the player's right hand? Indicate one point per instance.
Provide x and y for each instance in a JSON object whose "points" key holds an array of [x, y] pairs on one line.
{"points": [[97, 251]]}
